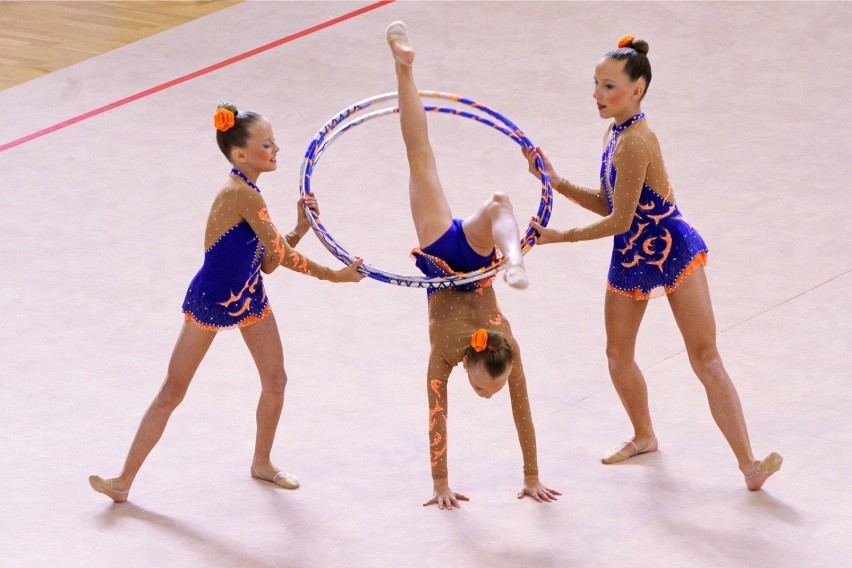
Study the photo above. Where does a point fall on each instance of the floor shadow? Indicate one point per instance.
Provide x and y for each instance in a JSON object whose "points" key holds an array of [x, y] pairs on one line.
{"points": [[206, 545]]}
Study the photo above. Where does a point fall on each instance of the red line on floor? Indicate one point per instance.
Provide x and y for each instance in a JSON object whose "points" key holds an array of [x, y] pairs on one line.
{"points": [[194, 74]]}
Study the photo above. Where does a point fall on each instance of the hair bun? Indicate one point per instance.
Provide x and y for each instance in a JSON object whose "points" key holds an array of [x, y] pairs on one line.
{"points": [[634, 42]]}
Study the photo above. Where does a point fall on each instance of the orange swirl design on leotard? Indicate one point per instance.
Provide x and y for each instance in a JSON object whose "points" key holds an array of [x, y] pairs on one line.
{"points": [[656, 218], [250, 285], [299, 262], [438, 444], [241, 311], [667, 238], [637, 258], [634, 238]]}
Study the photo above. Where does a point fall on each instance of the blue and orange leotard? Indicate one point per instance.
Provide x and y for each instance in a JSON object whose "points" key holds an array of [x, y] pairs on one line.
{"points": [[240, 242], [452, 254], [660, 248], [228, 289], [454, 314]]}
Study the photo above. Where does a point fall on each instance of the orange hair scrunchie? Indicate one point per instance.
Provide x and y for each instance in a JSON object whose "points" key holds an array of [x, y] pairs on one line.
{"points": [[479, 340], [626, 41], [223, 119]]}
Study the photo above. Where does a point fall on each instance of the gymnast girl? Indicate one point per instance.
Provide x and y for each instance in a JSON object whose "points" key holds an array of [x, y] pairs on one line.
{"points": [[465, 324], [240, 242], [655, 252]]}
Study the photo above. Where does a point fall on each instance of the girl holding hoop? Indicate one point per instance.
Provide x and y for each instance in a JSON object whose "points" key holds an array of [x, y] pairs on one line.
{"points": [[240, 242], [655, 252], [465, 324]]}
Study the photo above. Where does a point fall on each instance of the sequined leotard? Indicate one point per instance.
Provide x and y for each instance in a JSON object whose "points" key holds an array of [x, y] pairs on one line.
{"points": [[228, 289], [452, 254], [660, 248], [454, 314], [242, 241]]}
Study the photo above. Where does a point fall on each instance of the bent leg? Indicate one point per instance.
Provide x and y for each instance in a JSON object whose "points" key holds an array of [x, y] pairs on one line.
{"points": [[429, 208], [622, 316], [494, 223], [191, 346], [693, 311], [264, 343]]}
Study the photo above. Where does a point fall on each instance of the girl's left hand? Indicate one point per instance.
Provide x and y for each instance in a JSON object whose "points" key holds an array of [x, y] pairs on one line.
{"points": [[534, 488], [547, 236]]}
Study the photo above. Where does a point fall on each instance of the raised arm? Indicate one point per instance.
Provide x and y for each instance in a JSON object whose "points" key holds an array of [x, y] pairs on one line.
{"points": [[279, 249]]}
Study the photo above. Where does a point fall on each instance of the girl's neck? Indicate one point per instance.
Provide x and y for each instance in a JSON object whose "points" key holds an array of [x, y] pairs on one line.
{"points": [[248, 177], [626, 115]]}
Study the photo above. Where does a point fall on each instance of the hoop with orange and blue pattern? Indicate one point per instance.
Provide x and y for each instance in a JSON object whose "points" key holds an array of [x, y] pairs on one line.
{"points": [[353, 116]]}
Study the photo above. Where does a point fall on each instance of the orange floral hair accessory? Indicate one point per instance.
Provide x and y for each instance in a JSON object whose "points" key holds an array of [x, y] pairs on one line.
{"points": [[626, 41], [223, 119], [479, 340]]}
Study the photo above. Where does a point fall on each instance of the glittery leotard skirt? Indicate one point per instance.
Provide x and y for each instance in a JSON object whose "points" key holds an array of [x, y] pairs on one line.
{"points": [[658, 252], [228, 290]]}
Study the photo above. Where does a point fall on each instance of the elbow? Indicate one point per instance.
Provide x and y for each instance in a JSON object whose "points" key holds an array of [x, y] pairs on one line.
{"points": [[620, 223], [623, 226]]}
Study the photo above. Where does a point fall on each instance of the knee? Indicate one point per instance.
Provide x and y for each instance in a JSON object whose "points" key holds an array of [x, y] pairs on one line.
{"points": [[707, 363], [275, 383], [171, 394], [619, 360], [499, 203]]}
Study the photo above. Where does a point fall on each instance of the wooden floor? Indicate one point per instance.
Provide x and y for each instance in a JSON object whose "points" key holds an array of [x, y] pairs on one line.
{"points": [[39, 37]]}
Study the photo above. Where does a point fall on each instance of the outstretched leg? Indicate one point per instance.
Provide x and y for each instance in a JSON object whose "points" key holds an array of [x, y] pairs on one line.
{"points": [[622, 316], [494, 223], [264, 344], [192, 344], [429, 208], [693, 312]]}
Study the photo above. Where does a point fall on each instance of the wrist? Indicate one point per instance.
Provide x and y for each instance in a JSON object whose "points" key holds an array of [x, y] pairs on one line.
{"points": [[440, 483], [555, 181]]}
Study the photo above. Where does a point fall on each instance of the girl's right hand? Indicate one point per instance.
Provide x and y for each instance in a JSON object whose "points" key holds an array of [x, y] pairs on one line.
{"points": [[349, 274], [530, 154]]}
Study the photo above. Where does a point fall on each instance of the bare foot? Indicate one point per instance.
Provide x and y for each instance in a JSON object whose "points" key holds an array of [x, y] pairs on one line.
{"points": [[762, 470], [397, 37], [516, 275], [106, 487], [272, 475], [630, 449]]}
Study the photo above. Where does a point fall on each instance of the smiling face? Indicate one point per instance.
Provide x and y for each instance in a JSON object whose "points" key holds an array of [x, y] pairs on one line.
{"points": [[482, 383], [616, 95], [260, 152]]}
